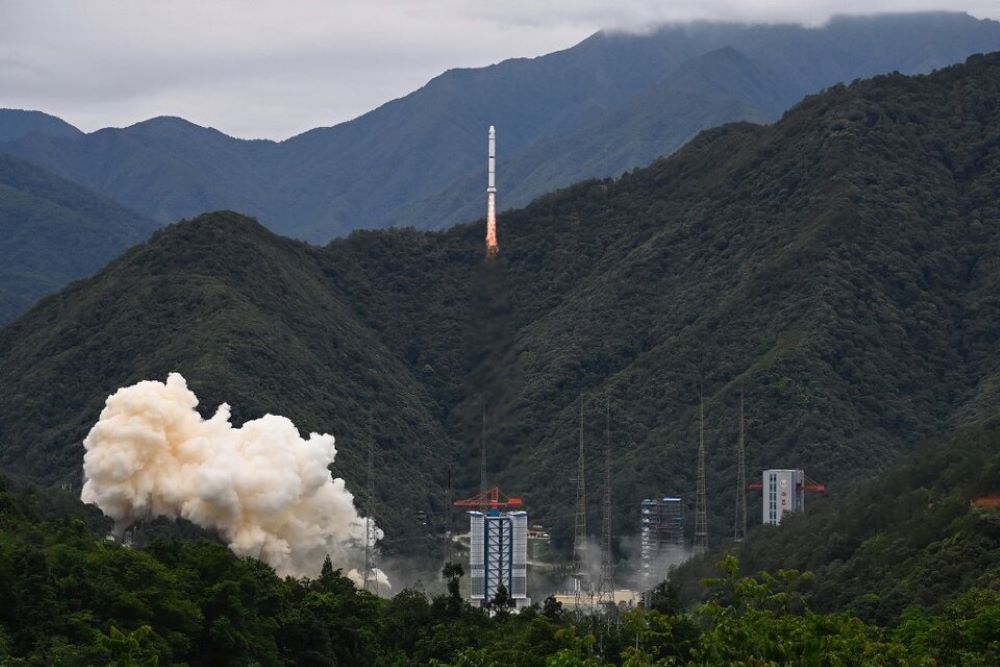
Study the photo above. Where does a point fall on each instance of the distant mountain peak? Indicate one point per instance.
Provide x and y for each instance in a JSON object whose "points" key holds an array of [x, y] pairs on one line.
{"points": [[177, 127], [16, 124], [159, 123], [223, 221]]}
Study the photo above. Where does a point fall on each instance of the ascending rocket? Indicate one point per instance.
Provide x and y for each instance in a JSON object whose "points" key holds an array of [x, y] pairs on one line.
{"points": [[491, 197]]}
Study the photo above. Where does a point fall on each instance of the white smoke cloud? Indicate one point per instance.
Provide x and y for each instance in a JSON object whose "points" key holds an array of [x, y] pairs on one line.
{"points": [[377, 576], [262, 487]]}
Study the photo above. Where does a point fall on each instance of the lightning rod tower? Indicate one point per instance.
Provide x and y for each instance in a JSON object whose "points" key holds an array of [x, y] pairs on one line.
{"points": [[370, 582], [741, 480], [482, 461], [447, 519], [606, 591], [701, 502], [580, 535]]}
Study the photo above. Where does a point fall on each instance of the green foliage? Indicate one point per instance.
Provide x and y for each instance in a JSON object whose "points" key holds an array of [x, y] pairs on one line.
{"points": [[71, 598], [967, 633], [53, 231], [909, 538], [124, 647]]}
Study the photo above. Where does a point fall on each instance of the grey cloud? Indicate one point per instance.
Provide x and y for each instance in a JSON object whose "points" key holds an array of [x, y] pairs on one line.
{"points": [[273, 69]]}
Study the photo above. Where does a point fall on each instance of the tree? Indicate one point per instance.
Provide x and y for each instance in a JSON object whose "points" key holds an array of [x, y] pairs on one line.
{"points": [[126, 649], [501, 603], [552, 608], [665, 599], [453, 572]]}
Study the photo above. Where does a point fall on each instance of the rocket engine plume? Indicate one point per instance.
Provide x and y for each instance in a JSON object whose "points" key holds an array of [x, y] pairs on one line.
{"points": [[261, 486], [491, 197]]}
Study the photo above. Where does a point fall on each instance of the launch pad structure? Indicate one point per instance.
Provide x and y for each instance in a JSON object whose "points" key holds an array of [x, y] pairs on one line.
{"points": [[498, 548]]}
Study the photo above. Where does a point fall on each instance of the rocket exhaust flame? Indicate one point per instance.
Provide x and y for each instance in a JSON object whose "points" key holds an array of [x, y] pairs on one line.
{"points": [[491, 225], [261, 486], [492, 248]]}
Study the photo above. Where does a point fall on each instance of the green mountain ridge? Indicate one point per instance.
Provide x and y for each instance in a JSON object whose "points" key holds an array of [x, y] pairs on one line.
{"points": [[841, 264], [53, 231]]}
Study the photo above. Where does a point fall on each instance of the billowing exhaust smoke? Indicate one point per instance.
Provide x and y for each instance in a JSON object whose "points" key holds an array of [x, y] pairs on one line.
{"points": [[262, 487]]}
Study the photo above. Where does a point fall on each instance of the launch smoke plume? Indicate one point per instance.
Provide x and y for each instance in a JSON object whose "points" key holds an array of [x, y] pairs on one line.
{"points": [[261, 486]]}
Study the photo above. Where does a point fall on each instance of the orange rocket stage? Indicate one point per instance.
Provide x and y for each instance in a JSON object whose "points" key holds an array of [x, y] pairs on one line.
{"points": [[492, 247]]}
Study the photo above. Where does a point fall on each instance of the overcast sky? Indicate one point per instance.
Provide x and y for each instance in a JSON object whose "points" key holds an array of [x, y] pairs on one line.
{"points": [[270, 68]]}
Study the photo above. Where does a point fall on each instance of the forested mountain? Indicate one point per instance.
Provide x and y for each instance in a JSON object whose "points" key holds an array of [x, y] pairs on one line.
{"points": [[843, 265], [53, 231], [613, 102], [919, 534]]}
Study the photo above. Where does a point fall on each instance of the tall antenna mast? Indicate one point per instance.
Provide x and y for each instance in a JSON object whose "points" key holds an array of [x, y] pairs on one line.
{"points": [[370, 580], [580, 536], [482, 461], [741, 480], [607, 586], [447, 519], [701, 503]]}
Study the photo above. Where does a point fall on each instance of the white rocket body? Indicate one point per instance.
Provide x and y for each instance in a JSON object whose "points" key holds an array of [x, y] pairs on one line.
{"points": [[492, 161], [491, 196]]}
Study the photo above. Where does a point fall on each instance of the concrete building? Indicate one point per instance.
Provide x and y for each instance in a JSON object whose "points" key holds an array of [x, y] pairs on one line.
{"points": [[784, 491]]}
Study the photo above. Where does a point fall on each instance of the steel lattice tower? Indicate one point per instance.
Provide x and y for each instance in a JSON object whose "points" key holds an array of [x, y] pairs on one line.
{"points": [[580, 535], [370, 579], [741, 480], [701, 503], [606, 591], [447, 519], [482, 460]]}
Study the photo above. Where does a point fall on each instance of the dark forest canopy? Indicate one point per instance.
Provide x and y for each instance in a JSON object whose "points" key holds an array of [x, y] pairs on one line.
{"points": [[72, 598], [53, 231], [919, 535]]}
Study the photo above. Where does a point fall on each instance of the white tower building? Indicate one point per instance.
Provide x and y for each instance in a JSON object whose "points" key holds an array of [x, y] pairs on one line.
{"points": [[784, 491]]}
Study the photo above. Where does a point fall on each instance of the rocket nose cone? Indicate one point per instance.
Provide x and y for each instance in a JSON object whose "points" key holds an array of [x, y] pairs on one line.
{"points": [[492, 130]]}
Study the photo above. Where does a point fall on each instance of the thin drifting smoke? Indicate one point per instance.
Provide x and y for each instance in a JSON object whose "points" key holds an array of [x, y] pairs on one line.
{"points": [[266, 490]]}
